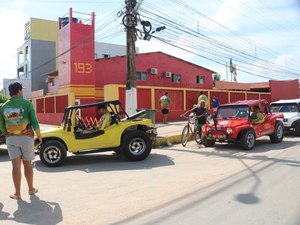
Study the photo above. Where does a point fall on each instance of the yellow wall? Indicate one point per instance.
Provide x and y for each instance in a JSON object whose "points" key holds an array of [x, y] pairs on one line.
{"points": [[80, 91], [45, 30], [111, 92]]}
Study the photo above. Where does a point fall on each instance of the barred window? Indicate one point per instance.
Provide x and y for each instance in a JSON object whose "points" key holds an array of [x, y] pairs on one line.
{"points": [[141, 76], [176, 78], [200, 79]]}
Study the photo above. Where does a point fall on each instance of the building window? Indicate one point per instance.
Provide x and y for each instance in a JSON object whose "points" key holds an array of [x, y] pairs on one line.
{"points": [[20, 57], [176, 78], [141, 76], [26, 70], [26, 52], [106, 56], [200, 80]]}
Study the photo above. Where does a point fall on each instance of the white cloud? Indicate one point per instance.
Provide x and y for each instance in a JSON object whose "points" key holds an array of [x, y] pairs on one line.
{"points": [[12, 37], [283, 59]]}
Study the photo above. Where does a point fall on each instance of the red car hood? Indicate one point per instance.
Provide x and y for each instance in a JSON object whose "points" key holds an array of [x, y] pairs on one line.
{"points": [[223, 124]]}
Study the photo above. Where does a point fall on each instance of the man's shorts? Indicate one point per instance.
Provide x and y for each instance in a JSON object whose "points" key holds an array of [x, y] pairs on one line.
{"points": [[165, 111], [198, 126], [22, 146]]}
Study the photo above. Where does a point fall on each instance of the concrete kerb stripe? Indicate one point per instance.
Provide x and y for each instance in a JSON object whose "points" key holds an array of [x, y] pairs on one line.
{"points": [[167, 141]]}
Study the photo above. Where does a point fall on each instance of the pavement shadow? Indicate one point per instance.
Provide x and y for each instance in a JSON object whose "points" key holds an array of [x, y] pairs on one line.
{"points": [[3, 215], [103, 162], [191, 200], [261, 145], [3, 155], [233, 151], [37, 212]]}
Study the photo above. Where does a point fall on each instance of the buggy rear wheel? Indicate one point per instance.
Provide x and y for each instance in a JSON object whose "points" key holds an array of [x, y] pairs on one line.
{"points": [[277, 136]]}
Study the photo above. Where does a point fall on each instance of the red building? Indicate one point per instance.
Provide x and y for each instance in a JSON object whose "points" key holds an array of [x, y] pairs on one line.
{"points": [[155, 69], [82, 79]]}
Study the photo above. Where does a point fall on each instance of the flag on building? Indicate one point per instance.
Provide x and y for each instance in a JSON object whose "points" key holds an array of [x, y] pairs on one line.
{"points": [[231, 66]]}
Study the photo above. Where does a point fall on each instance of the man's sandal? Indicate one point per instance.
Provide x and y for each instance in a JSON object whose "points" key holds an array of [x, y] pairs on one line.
{"points": [[33, 192], [16, 197]]}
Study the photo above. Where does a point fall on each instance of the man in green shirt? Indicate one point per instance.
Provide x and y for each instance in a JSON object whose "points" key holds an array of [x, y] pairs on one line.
{"points": [[164, 103], [18, 121]]}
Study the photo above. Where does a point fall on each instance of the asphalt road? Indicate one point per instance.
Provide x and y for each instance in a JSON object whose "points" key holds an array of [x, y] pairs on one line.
{"points": [[175, 185]]}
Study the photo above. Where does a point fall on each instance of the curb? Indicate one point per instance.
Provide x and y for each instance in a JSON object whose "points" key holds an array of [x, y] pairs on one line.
{"points": [[167, 141]]}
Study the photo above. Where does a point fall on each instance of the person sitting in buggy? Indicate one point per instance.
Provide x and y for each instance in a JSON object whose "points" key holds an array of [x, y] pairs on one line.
{"points": [[104, 122], [105, 119]]}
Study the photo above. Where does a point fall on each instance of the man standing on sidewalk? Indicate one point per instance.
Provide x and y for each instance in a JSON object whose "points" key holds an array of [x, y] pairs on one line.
{"points": [[164, 103], [17, 122]]}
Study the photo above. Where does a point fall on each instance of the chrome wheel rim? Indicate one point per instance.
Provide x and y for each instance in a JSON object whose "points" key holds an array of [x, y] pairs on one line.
{"points": [[250, 140], [137, 146], [279, 132], [52, 154]]}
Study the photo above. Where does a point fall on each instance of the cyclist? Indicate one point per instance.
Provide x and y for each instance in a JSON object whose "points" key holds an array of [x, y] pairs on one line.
{"points": [[201, 114]]}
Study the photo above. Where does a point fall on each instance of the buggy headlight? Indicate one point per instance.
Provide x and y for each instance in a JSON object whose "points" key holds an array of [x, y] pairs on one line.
{"points": [[285, 120], [228, 130]]}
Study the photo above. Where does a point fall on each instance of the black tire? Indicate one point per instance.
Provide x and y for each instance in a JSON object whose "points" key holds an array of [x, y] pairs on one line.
{"points": [[53, 153], [185, 135], [136, 145], [247, 139], [297, 129], [207, 143], [277, 136], [117, 150], [197, 137]]}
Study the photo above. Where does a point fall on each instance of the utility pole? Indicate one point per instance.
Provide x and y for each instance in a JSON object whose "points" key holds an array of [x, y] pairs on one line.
{"points": [[131, 22]]}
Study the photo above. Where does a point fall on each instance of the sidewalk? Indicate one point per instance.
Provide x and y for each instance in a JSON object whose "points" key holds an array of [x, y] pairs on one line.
{"points": [[167, 134]]}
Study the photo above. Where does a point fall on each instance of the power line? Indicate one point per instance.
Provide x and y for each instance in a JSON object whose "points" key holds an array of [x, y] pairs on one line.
{"points": [[210, 42]]}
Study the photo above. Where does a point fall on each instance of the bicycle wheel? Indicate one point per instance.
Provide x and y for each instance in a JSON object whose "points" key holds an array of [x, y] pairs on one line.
{"points": [[185, 135]]}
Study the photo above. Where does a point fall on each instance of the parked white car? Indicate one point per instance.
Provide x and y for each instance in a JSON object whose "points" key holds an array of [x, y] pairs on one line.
{"points": [[291, 110]]}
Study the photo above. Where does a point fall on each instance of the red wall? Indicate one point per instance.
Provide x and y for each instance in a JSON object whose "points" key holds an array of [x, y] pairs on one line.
{"points": [[143, 97], [50, 118], [82, 54], [284, 89], [176, 106], [192, 98], [76, 46], [268, 97], [251, 96], [113, 71], [221, 96], [236, 96], [64, 59]]}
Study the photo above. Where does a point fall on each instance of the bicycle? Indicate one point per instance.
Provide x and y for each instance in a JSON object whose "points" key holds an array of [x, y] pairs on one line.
{"points": [[189, 129]]}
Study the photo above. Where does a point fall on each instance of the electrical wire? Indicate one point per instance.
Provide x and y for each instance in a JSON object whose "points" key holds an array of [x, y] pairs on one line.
{"points": [[177, 26]]}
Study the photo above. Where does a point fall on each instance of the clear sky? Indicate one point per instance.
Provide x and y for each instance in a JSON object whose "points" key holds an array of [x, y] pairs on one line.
{"points": [[261, 36]]}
